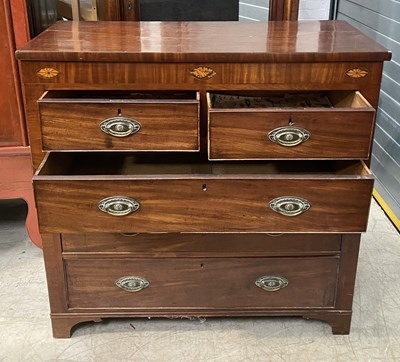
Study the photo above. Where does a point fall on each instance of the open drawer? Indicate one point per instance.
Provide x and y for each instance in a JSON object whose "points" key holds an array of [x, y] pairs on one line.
{"points": [[119, 120], [326, 125], [143, 193]]}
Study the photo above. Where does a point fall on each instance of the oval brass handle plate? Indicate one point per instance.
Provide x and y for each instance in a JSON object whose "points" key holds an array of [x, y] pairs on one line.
{"points": [[271, 283], [118, 205], [132, 284], [120, 126], [289, 136], [289, 205]]}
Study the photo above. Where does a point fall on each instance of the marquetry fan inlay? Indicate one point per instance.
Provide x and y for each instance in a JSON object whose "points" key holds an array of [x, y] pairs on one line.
{"points": [[203, 72], [47, 73], [357, 73]]}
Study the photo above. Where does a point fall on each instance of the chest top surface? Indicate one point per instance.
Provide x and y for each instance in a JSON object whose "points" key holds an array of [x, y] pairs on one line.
{"points": [[303, 41]]}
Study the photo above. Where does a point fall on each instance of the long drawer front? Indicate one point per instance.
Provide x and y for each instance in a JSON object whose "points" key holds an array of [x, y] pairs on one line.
{"points": [[202, 283], [203, 198], [171, 75], [202, 244], [183, 206]]}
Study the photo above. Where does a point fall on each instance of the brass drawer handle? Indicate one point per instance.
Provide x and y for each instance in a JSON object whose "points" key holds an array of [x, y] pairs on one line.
{"points": [[129, 235], [289, 205], [271, 283], [120, 126], [132, 284], [118, 205], [289, 136]]}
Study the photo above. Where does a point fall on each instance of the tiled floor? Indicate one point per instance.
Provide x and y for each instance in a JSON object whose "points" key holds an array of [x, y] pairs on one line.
{"points": [[25, 332]]}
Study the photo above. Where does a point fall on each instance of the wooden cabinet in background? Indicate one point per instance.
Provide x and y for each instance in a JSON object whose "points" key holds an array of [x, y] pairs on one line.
{"points": [[15, 156]]}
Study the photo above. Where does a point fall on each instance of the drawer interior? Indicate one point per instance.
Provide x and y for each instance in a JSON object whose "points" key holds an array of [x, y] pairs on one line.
{"points": [[117, 96], [78, 164], [286, 100]]}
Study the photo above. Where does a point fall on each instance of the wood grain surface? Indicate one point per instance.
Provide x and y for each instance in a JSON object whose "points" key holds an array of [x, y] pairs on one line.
{"points": [[335, 133], [210, 245], [283, 10], [12, 122], [303, 41], [233, 75], [207, 202], [234, 237], [202, 283], [169, 124]]}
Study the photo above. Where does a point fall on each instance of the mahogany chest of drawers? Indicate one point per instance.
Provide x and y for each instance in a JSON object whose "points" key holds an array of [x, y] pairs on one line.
{"points": [[201, 169]]}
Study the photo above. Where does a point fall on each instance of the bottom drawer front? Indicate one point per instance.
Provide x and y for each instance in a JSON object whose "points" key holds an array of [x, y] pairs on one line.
{"points": [[202, 283]]}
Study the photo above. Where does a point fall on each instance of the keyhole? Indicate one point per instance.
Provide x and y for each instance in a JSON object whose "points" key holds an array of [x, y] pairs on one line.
{"points": [[202, 265], [291, 123], [130, 6], [204, 187], [119, 112]]}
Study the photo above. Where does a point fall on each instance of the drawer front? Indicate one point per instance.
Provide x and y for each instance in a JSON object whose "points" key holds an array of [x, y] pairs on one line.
{"points": [[202, 283], [278, 133], [120, 125], [203, 76], [204, 205], [181, 244], [332, 135]]}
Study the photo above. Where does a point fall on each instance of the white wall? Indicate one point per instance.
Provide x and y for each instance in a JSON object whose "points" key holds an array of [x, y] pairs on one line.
{"points": [[314, 9], [256, 10]]}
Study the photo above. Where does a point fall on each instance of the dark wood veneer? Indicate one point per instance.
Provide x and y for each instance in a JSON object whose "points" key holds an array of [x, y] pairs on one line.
{"points": [[179, 205], [205, 283], [166, 123], [283, 9], [210, 272], [340, 132], [200, 245], [303, 41]]}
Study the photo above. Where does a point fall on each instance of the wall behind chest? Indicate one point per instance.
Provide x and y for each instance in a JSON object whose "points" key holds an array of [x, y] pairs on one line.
{"points": [[380, 21], [257, 10]]}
